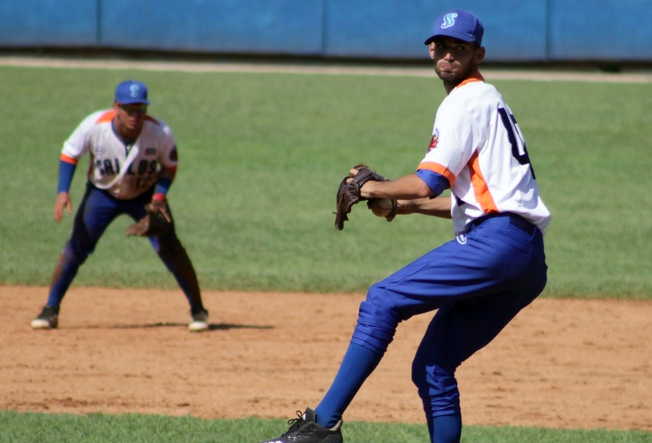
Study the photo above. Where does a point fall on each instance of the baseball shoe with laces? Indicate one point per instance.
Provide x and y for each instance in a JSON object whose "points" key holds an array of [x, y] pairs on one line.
{"points": [[199, 321], [47, 319], [304, 429]]}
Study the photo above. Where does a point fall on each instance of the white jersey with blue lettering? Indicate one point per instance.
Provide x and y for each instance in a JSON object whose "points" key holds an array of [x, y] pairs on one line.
{"points": [[125, 171], [478, 146]]}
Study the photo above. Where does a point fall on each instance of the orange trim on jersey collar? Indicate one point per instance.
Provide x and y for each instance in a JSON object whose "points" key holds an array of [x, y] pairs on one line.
{"points": [[439, 169], [474, 77], [107, 116], [67, 159], [480, 186], [110, 114]]}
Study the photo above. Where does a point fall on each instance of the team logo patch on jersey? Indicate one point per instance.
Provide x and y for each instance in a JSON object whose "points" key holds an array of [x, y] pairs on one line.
{"points": [[150, 151], [448, 20], [434, 140]]}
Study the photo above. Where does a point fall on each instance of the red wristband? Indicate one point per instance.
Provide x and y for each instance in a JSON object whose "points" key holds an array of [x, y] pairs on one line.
{"points": [[159, 196]]}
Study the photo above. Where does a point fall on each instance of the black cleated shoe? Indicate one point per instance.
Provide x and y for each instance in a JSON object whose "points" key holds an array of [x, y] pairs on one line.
{"points": [[304, 429], [47, 319]]}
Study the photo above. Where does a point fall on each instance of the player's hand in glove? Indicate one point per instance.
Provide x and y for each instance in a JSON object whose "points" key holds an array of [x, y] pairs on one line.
{"points": [[349, 191], [383, 207], [159, 207], [156, 222]]}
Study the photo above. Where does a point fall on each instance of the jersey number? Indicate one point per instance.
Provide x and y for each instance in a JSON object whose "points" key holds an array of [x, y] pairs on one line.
{"points": [[516, 140]]}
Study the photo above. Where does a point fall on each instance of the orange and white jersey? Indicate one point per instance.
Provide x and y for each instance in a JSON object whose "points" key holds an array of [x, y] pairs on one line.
{"points": [[126, 171], [478, 146]]}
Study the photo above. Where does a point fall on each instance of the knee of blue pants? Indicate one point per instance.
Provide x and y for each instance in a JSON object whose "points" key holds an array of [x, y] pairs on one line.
{"points": [[376, 320], [77, 251], [437, 387]]}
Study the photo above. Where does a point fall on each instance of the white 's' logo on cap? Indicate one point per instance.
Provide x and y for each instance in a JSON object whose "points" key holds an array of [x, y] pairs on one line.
{"points": [[448, 20], [133, 89]]}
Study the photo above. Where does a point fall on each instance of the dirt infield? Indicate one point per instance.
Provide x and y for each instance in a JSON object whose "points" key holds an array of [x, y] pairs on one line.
{"points": [[559, 364]]}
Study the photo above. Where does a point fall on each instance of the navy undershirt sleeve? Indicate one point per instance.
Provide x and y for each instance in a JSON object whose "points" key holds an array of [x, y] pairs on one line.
{"points": [[163, 186], [436, 182], [66, 172]]}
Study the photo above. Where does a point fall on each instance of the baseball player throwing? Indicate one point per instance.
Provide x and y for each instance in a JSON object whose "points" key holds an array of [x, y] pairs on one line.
{"points": [[478, 281], [133, 160]]}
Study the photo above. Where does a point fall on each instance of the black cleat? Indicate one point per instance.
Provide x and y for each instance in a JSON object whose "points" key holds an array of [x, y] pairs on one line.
{"points": [[47, 319], [304, 429]]}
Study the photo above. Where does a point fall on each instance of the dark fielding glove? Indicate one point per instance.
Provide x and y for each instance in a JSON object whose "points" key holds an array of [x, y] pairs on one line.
{"points": [[348, 193], [157, 221]]}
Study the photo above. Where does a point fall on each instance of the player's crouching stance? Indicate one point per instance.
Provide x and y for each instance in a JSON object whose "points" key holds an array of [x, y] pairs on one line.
{"points": [[477, 282], [133, 161]]}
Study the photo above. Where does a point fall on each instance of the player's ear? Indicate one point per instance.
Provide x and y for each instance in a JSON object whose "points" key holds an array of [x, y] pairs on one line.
{"points": [[431, 50], [479, 54]]}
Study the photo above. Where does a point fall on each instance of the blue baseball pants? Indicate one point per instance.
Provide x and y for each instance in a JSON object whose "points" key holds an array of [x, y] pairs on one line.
{"points": [[96, 211], [477, 282]]}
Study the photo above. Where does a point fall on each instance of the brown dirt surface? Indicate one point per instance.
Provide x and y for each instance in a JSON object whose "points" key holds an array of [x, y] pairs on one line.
{"points": [[559, 364]]}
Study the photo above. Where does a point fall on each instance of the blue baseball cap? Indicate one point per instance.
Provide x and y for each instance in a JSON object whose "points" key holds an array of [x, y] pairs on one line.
{"points": [[458, 24], [131, 91]]}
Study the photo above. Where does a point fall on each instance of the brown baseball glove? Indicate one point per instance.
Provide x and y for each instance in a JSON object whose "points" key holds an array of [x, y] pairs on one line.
{"points": [[348, 193], [156, 222]]}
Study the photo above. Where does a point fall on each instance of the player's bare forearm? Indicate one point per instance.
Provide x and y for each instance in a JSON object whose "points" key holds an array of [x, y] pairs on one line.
{"points": [[438, 206], [407, 188]]}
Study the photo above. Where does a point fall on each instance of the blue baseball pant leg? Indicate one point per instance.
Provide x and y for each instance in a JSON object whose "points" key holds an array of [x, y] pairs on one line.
{"points": [[465, 325], [96, 211], [173, 255], [456, 332], [500, 259]]}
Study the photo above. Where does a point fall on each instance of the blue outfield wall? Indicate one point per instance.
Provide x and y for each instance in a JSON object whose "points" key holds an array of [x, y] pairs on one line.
{"points": [[600, 29], [233, 26], [48, 23], [515, 30]]}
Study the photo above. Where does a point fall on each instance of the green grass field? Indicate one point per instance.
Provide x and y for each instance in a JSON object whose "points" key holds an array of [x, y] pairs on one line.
{"points": [[100, 428], [260, 159], [261, 156]]}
